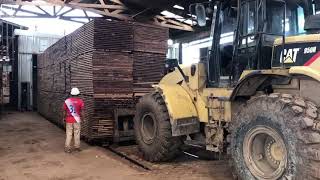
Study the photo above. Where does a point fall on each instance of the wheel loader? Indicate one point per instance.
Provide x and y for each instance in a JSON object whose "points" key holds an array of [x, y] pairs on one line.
{"points": [[256, 99]]}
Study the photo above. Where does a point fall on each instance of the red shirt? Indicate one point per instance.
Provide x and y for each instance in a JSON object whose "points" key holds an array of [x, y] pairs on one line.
{"points": [[73, 106]]}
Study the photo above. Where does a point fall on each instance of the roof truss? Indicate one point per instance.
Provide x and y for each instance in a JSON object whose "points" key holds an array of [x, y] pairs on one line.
{"points": [[113, 9]]}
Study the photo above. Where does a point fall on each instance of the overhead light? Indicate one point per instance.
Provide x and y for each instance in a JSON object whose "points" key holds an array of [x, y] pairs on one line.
{"points": [[169, 14], [178, 7], [192, 15], [189, 21]]}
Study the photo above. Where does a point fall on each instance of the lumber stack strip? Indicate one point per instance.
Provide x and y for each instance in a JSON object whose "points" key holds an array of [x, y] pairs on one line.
{"points": [[1, 86], [112, 63]]}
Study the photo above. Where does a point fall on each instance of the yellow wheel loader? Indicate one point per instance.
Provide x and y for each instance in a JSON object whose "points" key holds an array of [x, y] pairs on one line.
{"points": [[256, 99]]}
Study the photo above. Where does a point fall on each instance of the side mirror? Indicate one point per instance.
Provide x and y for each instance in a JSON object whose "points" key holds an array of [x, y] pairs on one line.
{"points": [[193, 69], [201, 14]]}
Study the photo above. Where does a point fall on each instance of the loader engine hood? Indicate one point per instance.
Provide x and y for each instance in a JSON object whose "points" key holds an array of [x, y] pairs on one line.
{"points": [[300, 50]]}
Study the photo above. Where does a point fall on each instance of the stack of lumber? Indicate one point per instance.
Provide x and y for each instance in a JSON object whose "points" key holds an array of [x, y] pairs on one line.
{"points": [[151, 48], [1, 90], [4, 86], [112, 63], [148, 70]]}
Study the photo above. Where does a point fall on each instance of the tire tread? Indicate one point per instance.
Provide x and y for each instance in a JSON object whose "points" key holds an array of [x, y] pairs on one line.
{"points": [[308, 129], [167, 146]]}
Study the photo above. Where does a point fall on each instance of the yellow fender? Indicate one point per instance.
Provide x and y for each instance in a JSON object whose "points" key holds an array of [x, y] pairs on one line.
{"points": [[307, 71], [183, 113]]}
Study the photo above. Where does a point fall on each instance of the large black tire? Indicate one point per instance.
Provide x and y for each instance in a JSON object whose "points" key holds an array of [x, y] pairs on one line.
{"points": [[294, 119], [153, 129]]}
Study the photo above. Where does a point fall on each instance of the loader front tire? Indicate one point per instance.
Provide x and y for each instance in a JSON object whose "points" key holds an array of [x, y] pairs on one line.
{"points": [[153, 129], [275, 137]]}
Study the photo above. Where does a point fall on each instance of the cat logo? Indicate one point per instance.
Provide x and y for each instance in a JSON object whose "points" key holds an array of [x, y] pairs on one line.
{"points": [[290, 55]]}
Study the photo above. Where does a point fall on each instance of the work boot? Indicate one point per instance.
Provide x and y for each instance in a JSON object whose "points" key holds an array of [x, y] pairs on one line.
{"points": [[67, 150]]}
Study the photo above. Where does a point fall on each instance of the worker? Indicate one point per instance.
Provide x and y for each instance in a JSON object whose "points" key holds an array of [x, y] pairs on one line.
{"points": [[73, 114]]}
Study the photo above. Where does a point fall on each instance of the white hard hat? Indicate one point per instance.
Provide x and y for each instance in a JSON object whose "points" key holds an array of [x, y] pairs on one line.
{"points": [[75, 91]]}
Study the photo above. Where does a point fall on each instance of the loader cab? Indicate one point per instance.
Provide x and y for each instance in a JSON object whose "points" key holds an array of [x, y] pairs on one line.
{"points": [[254, 25]]}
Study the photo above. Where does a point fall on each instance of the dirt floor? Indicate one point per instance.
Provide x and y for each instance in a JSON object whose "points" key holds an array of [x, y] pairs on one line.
{"points": [[31, 148]]}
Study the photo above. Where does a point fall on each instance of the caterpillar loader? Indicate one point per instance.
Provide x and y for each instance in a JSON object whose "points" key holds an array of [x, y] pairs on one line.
{"points": [[256, 99]]}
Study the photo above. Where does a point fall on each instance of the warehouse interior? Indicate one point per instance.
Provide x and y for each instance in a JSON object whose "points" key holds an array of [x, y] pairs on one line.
{"points": [[162, 83], [49, 41]]}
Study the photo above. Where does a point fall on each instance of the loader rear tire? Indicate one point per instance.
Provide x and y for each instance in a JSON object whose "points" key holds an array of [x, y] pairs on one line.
{"points": [[153, 129], [275, 137]]}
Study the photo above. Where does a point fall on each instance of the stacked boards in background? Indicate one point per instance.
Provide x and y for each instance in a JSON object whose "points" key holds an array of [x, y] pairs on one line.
{"points": [[112, 63], [4, 85], [1, 91]]}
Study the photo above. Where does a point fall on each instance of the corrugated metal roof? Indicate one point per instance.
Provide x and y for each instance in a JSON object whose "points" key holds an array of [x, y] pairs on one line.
{"points": [[14, 24], [30, 42], [18, 32]]}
